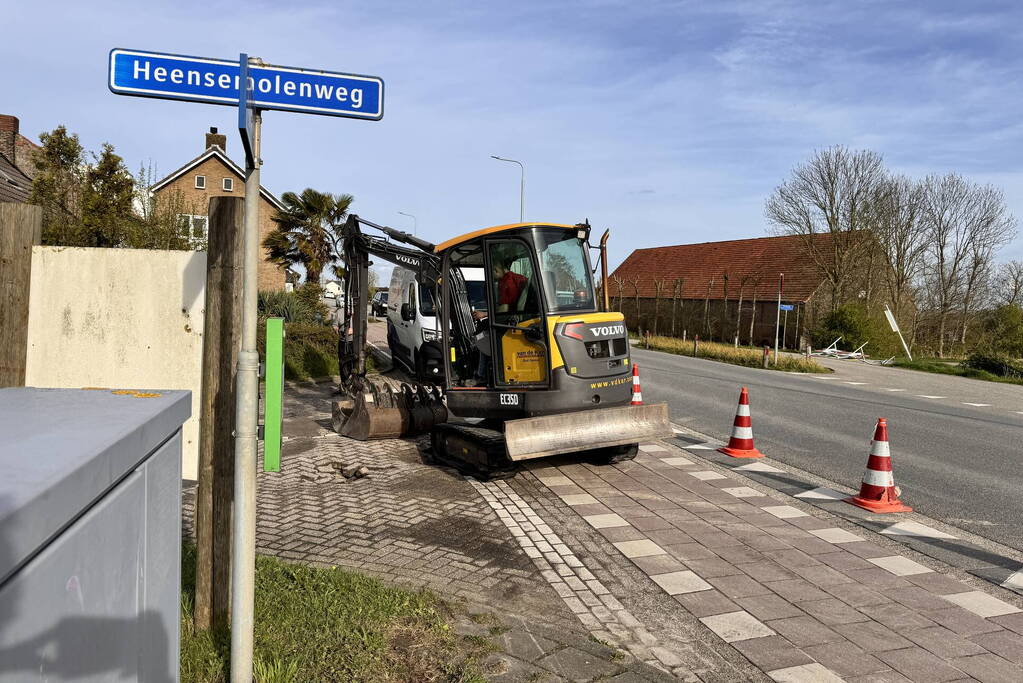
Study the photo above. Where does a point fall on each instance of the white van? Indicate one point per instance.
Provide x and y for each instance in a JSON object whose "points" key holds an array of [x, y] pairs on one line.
{"points": [[412, 325]]}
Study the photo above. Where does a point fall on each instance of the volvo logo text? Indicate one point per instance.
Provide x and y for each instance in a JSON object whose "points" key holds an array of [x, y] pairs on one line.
{"points": [[607, 330]]}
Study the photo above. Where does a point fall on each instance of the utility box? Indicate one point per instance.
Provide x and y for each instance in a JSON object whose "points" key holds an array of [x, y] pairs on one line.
{"points": [[90, 534]]}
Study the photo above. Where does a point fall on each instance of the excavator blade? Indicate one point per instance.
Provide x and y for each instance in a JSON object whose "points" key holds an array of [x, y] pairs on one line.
{"points": [[536, 437]]}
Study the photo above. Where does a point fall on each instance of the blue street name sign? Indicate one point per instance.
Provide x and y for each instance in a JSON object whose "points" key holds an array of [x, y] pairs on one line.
{"points": [[785, 307], [217, 81]]}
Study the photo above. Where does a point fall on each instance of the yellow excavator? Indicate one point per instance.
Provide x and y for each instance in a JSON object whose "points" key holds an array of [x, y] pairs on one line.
{"points": [[534, 363]]}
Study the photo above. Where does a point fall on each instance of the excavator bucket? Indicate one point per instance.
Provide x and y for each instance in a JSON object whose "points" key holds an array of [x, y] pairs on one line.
{"points": [[537, 437], [375, 414]]}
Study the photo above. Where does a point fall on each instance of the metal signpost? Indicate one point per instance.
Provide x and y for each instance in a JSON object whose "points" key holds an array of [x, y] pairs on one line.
{"points": [[777, 318], [253, 87], [896, 330], [785, 324]]}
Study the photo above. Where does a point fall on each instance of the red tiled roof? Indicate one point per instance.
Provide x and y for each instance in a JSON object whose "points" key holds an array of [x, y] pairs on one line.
{"points": [[699, 264]]}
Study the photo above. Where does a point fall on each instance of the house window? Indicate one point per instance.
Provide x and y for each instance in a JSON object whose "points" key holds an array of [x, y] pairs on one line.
{"points": [[200, 182], [192, 227], [228, 184]]}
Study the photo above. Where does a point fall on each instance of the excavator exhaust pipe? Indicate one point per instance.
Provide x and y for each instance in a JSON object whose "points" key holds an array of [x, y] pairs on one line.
{"points": [[538, 437], [378, 412]]}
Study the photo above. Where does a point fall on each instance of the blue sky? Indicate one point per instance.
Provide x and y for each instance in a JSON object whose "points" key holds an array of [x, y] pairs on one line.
{"points": [[669, 122]]}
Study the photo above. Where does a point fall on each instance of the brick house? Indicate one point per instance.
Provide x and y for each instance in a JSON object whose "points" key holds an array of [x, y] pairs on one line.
{"points": [[712, 277], [214, 174], [16, 165]]}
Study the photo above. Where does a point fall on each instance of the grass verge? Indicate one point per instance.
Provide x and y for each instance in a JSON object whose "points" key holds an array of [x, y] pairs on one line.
{"points": [[726, 353], [328, 624], [943, 366]]}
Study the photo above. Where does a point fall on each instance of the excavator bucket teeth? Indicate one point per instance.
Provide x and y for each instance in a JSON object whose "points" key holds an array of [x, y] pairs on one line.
{"points": [[537, 437], [375, 415]]}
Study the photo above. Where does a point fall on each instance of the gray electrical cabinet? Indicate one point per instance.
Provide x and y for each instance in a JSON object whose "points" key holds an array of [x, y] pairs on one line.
{"points": [[90, 534]]}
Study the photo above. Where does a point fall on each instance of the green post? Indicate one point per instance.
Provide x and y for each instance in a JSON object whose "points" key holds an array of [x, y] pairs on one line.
{"points": [[274, 394]]}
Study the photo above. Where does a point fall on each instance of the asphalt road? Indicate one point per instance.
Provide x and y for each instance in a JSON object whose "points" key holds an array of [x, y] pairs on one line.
{"points": [[955, 462]]}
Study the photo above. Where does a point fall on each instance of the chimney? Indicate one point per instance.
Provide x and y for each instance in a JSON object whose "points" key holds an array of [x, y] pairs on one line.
{"points": [[212, 138], [8, 136]]}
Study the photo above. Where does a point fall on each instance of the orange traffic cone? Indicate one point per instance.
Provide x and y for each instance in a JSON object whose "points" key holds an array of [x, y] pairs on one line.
{"points": [[637, 395], [740, 445], [878, 492]]}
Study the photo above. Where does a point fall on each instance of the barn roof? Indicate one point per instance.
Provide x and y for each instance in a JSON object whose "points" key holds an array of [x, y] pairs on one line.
{"points": [[757, 261]]}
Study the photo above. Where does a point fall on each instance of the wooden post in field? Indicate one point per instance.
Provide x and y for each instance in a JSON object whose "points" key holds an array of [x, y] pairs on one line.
{"points": [[21, 227], [221, 342], [696, 345]]}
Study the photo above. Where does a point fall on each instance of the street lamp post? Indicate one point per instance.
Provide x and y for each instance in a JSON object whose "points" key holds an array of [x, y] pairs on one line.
{"points": [[415, 223], [522, 185]]}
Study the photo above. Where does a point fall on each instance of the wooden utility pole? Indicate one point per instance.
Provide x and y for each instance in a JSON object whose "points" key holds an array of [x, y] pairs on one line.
{"points": [[221, 343], [21, 227]]}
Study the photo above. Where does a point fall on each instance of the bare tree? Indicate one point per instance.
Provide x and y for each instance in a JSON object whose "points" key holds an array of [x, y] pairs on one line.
{"points": [[676, 292], [706, 304], [619, 283], [635, 289], [965, 222], [1010, 278], [831, 194], [738, 307], [659, 284], [901, 237]]}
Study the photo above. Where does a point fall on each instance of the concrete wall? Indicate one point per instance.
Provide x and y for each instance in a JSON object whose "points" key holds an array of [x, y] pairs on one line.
{"points": [[119, 318]]}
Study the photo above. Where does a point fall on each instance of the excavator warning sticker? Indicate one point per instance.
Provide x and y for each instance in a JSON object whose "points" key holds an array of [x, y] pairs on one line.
{"points": [[509, 399], [610, 383]]}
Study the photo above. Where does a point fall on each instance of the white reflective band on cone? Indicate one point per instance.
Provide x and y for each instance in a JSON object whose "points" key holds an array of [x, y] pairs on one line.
{"points": [[875, 478], [880, 449], [743, 410], [742, 432]]}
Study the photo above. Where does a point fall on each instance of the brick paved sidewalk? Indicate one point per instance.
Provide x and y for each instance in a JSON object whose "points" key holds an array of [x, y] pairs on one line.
{"points": [[790, 587], [682, 568]]}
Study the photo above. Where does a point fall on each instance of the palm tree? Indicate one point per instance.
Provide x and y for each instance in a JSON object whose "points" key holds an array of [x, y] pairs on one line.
{"points": [[306, 231]]}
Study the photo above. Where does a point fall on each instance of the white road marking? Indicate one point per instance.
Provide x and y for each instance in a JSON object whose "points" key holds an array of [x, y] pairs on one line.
{"points": [[894, 389], [976, 405], [757, 467], [822, 493], [856, 383], [926, 396], [914, 529], [699, 447], [1014, 582]]}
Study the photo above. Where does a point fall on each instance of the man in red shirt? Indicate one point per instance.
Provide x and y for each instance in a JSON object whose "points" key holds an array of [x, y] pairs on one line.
{"points": [[509, 286]]}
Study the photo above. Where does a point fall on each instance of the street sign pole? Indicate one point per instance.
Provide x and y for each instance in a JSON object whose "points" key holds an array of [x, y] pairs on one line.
{"points": [[777, 315], [243, 566], [895, 328]]}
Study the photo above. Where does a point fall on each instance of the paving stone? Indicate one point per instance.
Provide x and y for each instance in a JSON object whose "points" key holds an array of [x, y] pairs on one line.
{"points": [[1013, 622], [843, 561], [1002, 643], [944, 643], [821, 576], [832, 611], [738, 586], [897, 617], [806, 673], [525, 645], [765, 570], [899, 565], [771, 652], [658, 564], [684, 581], [889, 676], [982, 604], [736, 626], [668, 536], [846, 659], [784, 511], [707, 475], [938, 583], [918, 664], [639, 548], [579, 499], [856, 595], [622, 533], [866, 549], [769, 606], [917, 598], [836, 535], [706, 603], [605, 521], [712, 566], [742, 492], [876, 578], [989, 668], [872, 636], [804, 631], [797, 590]]}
